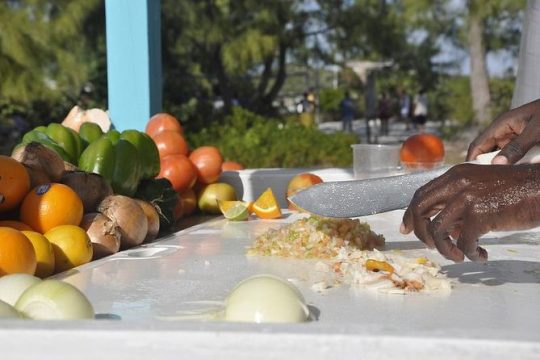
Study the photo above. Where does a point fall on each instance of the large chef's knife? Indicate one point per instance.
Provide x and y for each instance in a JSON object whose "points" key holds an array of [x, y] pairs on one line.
{"points": [[346, 199]]}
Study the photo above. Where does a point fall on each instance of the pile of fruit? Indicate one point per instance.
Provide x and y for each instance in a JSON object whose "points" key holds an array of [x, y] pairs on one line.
{"points": [[80, 190], [194, 175]]}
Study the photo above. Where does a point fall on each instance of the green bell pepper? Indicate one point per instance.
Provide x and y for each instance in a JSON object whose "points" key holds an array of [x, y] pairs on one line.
{"points": [[90, 132], [118, 163], [147, 150], [112, 135], [67, 138]]}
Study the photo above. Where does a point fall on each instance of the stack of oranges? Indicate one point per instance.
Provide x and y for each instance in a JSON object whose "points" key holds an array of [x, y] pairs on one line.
{"points": [[35, 224]]}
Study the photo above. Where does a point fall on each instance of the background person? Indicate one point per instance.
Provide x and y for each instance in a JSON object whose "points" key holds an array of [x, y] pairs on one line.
{"points": [[404, 107], [348, 109], [420, 110], [384, 113]]}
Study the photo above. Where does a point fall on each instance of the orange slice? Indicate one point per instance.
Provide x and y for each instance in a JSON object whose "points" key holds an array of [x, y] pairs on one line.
{"points": [[266, 206]]}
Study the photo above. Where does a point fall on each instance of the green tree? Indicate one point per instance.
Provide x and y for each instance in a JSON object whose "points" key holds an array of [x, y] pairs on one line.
{"points": [[487, 26], [43, 48], [236, 49]]}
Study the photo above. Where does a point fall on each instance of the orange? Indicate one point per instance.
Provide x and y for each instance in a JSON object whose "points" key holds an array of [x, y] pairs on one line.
{"points": [[50, 205], [14, 183], [71, 245], [14, 224], [422, 148], [44, 253], [266, 206], [17, 254]]}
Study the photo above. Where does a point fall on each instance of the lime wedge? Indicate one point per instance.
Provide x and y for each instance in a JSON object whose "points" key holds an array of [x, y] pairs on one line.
{"points": [[234, 210]]}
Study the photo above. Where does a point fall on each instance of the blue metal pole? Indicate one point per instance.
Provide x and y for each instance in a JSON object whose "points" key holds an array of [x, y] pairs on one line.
{"points": [[133, 61]]}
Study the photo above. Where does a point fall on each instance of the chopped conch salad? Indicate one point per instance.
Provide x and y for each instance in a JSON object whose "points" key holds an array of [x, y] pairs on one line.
{"points": [[316, 237], [347, 254]]}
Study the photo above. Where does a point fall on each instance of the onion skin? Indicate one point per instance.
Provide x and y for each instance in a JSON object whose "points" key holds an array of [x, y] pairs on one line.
{"points": [[69, 167], [103, 233], [91, 188], [40, 159], [152, 217], [129, 217]]}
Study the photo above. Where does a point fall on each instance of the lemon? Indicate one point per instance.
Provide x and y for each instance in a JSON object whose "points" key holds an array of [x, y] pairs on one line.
{"points": [[44, 253], [72, 246], [234, 210]]}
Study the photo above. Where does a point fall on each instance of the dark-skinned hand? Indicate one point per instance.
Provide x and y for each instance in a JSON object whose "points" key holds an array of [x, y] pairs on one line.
{"points": [[514, 132], [470, 200]]}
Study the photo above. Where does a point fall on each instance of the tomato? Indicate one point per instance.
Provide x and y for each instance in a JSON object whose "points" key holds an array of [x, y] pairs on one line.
{"points": [[170, 142], [207, 160], [189, 201], [179, 170], [231, 165], [163, 122]]}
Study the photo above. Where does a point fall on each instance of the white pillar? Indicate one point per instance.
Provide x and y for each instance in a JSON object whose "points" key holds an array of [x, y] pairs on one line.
{"points": [[527, 86]]}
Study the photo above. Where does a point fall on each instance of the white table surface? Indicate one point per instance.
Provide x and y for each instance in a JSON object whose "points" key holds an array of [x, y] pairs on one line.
{"points": [[491, 312]]}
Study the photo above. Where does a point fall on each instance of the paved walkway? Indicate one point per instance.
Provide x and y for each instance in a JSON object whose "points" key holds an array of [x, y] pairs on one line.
{"points": [[397, 130]]}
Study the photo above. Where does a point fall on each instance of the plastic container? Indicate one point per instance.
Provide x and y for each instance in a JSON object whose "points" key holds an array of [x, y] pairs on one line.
{"points": [[376, 160]]}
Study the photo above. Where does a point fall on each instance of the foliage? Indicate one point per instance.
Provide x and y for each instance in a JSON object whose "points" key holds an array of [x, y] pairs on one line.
{"points": [[42, 48], [49, 51], [452, 100], [329, 101], [502, 90], [260, 142], [231, 49]]}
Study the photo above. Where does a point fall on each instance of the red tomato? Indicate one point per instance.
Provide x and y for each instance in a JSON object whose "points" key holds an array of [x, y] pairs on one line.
{"points": [[189, 201], [170, 142], [231, 165], [163, 122], [207, 160], [179, 170]]}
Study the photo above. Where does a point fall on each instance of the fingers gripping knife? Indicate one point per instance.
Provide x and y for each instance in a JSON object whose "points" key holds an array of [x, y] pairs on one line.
{"points": [[345, 199]]}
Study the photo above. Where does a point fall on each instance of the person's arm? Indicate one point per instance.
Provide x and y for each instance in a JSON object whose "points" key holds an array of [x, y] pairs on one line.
{"points": [[454, 210], [514, 132]]}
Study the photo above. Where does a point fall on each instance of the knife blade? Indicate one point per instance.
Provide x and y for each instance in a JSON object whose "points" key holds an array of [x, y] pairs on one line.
{"points": [[353, 198]]}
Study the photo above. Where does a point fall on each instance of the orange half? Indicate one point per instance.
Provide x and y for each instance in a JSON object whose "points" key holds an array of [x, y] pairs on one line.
{"points": [[266, 206]]}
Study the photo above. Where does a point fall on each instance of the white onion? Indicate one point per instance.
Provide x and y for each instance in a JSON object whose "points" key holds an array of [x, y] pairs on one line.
{"points": [[129, 216], [103, 233], [8, 312], [54, 300], [153, 219], [265, 298], [13, 285]]}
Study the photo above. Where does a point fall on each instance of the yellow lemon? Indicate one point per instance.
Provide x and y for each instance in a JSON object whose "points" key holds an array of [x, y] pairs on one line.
{"points": [[44, 253], [72, 246]]}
